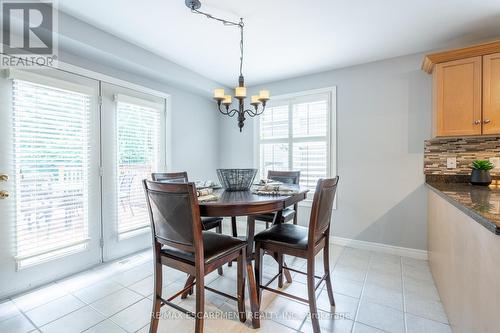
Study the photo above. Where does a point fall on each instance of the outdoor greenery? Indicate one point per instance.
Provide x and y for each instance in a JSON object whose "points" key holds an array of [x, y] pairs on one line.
{"points": [[482, 165]]}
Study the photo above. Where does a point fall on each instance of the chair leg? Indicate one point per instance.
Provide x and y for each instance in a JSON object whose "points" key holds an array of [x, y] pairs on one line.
{"points": [[267, 225], [155, 312], [296, 208], [326, 266], [241, 285], [233, 226], [200, 301], [219, 231], [254, 303], [258, 270], [286, 272], [235, 233], [189, 280], [311, 291], [280, 270]]}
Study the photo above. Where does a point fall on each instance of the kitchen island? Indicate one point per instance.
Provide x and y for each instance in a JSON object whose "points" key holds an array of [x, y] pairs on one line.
{"points": [[464, 250]]}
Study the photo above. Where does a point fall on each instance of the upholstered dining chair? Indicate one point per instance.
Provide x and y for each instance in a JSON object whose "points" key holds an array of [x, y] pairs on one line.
{"points": [[302, 242], [208, 223], [180, 243], [289, 213]]}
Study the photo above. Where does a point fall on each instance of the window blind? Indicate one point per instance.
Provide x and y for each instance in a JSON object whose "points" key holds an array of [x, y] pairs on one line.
{"points": [[294, 135], [310, 140], [51, 157], [311, 159], [274, 122], [273, 156], [138, 143]]}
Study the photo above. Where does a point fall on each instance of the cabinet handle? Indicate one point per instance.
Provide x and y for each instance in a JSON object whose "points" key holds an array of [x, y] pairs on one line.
{"points": [[486, 121], [477, 122]]}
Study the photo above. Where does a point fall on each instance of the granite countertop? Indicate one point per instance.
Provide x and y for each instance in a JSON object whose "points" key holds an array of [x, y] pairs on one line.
{"points": [[482, 203]]}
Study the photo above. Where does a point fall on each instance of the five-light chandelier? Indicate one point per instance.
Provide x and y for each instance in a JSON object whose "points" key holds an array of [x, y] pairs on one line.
{"points": [[224, 101]]}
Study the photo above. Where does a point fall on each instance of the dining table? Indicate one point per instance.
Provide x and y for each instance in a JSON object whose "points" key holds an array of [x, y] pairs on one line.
{"points": [[247, 203]]}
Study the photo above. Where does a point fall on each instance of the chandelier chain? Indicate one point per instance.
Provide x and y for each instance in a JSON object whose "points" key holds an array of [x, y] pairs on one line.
{"points": [[224, 101], [241, 48], [227, 23]]}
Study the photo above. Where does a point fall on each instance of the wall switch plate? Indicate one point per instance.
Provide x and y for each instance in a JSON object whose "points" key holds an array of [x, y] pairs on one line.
{"points": [[451, 162], [495, 161]]}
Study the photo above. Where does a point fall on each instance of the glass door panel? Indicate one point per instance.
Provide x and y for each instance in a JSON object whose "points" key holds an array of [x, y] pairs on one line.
{"points": [[133, 148], [50, 152]]}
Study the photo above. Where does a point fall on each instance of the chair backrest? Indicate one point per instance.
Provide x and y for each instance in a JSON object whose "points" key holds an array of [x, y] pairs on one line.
{"points": [[174, 214], [286, 177], [170, 177], [321, 211]]}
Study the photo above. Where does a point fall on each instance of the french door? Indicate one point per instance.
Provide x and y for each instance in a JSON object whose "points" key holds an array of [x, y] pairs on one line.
{"points": [[73, 153], [49, 150], [133, 135]]}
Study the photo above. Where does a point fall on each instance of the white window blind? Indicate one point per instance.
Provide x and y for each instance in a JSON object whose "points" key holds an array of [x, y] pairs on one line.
{"points": [[138, 141], [294, 135], [274, 122], [51, 157]]}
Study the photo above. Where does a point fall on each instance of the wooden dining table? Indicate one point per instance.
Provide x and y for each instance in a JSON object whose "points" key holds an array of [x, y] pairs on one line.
{"points": [[246, 203]]}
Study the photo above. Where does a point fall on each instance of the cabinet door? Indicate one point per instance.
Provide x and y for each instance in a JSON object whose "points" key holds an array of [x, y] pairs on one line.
{"points": [[457, 97], [491, 94]]}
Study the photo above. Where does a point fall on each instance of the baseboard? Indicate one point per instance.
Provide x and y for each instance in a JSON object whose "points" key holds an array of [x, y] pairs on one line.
{"points": [[379, 247]]}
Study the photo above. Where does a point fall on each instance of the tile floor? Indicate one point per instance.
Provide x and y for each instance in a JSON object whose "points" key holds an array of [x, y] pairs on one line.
{"points": [[374, 292]]}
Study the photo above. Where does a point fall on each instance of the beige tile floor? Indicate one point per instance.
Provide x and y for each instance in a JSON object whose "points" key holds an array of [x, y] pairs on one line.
{"points": [[374, 292]]}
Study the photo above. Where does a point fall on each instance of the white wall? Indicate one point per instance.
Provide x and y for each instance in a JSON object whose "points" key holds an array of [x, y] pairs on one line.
{"points": [[194, 126], [383, 118]]}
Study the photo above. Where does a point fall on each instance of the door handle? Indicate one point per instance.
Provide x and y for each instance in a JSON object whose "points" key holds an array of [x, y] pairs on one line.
{"points": [[3, 177], [486, 121], [476, 122], [4, 194]]}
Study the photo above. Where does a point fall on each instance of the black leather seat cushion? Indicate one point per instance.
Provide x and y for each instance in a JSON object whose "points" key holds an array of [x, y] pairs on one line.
{"points": [[215, 246], [288, 214], [210, 222], [290, 234]]}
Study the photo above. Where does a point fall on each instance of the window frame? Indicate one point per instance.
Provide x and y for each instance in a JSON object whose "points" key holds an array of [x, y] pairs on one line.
{"points": [[331, 132]]}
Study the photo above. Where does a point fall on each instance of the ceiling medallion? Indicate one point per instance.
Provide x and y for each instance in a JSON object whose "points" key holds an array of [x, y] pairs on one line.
{"points": [[240, 93]]}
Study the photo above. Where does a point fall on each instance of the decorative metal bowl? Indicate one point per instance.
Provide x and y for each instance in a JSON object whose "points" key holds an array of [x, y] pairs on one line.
{"points": [[236, 179]]}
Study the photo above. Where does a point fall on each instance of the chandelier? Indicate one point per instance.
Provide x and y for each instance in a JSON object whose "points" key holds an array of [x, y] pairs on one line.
{"points": [[224, 101]]}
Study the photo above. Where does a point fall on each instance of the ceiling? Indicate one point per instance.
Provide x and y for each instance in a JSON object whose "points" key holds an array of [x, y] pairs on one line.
{"points": [[286, 38]]}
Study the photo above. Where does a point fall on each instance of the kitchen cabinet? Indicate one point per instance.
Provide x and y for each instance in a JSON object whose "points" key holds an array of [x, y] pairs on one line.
{"points": [[457, 97], [466, 90], [463, 258], [491, 94]]}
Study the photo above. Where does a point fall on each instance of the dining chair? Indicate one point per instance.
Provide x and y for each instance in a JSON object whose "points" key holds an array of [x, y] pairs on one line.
{"points": [[208, 223], [302, 242], [180, 243], [288, 214]]}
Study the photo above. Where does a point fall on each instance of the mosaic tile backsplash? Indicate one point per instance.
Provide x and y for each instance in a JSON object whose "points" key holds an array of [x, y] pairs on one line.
{"points": [[465, 149]]}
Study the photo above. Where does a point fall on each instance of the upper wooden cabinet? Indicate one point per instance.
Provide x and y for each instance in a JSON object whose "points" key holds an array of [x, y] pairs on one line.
{"points": [[466, 90], [491, 94], [457, 97]]}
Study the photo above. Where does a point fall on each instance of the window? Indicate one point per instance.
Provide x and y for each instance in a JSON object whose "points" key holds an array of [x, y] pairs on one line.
{"points": [[138, 140], [295, 133], [51, 163]]}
